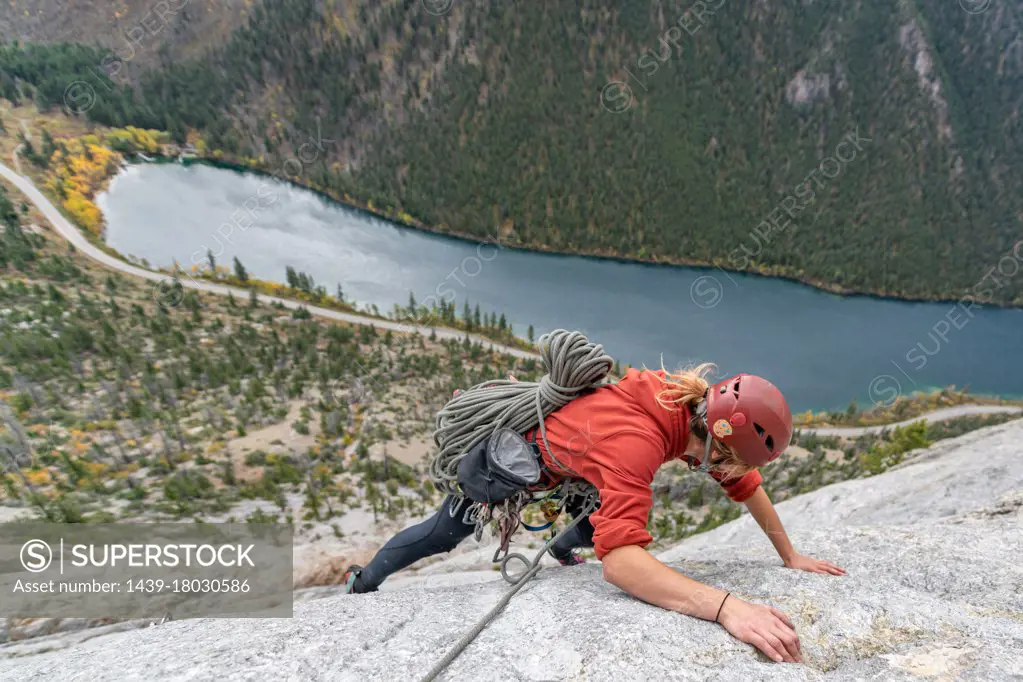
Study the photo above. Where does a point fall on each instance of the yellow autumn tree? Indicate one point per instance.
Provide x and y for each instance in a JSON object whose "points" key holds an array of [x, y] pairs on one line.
{"points": [[84, 212], [130, 140], [78, 172]]}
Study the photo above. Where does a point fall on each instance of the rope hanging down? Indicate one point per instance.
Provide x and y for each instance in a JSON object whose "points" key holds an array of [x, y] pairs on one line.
{"points": [[532, 569], [573, 366]]}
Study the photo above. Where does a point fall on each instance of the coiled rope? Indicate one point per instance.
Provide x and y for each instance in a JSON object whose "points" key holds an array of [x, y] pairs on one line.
{"points": [[573, 365]]}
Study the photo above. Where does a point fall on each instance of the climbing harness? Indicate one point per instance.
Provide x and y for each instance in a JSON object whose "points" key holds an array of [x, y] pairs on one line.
{"points": [[575, 487], [568, 490], [506, 516]]}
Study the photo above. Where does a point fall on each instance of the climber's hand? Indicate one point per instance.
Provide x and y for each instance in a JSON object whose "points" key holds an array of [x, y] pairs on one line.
{"points": [[765, 627], [811, 565]]}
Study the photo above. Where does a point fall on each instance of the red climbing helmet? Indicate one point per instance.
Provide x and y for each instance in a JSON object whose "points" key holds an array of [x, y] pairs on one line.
{"points": [[749, 414]]}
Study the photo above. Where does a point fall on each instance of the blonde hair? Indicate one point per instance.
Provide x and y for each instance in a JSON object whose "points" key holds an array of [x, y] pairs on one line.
{"points": [[688, 386]]}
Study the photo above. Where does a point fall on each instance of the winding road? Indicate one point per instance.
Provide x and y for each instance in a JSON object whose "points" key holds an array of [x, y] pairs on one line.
{"points": [[161, 281], [66, 229], [938, 415]]}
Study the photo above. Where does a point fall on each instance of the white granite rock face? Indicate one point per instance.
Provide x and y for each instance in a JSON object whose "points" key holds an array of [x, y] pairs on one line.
{"points": [[934, 591]]}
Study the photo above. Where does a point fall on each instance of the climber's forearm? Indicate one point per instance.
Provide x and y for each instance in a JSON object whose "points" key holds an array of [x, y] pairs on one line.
{"points": [[636, 571], [761, 509]]}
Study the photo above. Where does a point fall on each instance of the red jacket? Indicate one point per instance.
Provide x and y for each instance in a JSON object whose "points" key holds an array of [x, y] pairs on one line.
{"points": [[616, 437]]}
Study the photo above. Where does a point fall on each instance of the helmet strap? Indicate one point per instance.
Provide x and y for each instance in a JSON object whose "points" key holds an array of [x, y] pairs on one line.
{"points": [[701, 416], [705, 463]]}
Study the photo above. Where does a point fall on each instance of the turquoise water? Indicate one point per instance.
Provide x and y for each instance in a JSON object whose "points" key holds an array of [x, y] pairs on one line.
{"points": [[822, 350]]}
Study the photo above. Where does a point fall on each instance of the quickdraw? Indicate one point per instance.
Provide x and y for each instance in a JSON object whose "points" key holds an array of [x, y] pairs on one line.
{"points": [[508, 518]]}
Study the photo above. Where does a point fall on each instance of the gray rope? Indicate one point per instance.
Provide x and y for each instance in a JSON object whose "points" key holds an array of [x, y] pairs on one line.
{"points": [[573, 366], [534, 568]]}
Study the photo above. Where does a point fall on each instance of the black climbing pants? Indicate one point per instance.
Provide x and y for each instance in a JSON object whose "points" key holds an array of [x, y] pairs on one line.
{"points": [[442, 533]]}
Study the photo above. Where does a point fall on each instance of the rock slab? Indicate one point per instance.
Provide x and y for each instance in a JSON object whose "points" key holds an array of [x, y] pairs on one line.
{"points": [[934, 591]]}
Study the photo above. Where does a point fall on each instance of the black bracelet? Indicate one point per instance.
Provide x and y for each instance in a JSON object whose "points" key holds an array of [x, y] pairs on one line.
{"points": [[727, 595]]}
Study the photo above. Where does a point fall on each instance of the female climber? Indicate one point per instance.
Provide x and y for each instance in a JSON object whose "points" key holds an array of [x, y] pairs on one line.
{"points": [[615, 437]]}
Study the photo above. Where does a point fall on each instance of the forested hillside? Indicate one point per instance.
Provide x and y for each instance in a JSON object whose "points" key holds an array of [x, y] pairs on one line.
{"points": [[870, 147]]}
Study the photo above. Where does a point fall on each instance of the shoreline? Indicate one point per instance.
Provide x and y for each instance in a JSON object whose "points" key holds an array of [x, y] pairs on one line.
{"points": [[392, 221], [365, 208]]}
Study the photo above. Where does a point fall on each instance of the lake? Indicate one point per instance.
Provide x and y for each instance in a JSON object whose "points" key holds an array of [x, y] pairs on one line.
{"points": [[822, 350]]}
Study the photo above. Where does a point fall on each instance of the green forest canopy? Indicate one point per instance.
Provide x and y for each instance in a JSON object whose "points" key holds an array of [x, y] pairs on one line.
{"points": [[511, 134]]}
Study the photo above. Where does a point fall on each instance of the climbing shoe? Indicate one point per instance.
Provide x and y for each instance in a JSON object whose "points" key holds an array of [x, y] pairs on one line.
{"points": [[573, 559], [352, 581]]}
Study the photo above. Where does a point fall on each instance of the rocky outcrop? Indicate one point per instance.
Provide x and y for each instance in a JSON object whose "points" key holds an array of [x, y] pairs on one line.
{"points": [[934, 591]]}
